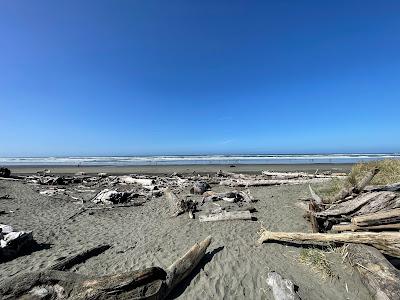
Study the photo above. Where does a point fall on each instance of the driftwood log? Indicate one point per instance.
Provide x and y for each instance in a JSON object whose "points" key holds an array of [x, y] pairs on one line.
{"points": [[225, 216], [378, 218], [352, 227], [394, 187], [268, 182], [151, 283], [371, 201], [295, 175], [377, 273], [387, 242], [282, 289]]}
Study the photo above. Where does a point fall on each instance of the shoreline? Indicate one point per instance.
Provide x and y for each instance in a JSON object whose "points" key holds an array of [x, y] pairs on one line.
{"points": [[184, 169]]}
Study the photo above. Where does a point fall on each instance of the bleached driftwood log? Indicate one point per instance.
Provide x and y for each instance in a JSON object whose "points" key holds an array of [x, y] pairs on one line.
{"points": [[132, 180], [377, 273], [182, 267], [378, 218], [180, 206], [151, 283], [387, 242], [384, 202], [282, 289], [372, 201], [268, 182], [286, 175], [225, 216], [352, 227], [295, 175]]}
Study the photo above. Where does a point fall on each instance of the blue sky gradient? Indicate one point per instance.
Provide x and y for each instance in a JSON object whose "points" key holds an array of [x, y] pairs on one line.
{"points": [[190, 77]]}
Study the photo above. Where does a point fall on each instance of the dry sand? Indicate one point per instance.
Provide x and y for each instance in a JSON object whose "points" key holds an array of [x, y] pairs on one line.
{"points": [[235, 267]]}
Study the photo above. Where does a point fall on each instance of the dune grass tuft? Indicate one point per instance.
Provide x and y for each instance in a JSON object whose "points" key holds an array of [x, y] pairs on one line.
{"points": [[389, 173], [316, 259]]}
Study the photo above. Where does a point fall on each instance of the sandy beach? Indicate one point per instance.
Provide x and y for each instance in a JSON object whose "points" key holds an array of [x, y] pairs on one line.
{"points": [[234, 268]]}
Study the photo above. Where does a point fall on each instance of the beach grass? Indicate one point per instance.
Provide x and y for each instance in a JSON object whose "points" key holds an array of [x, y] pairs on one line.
{"points": [[317, 261], [389, 172]]}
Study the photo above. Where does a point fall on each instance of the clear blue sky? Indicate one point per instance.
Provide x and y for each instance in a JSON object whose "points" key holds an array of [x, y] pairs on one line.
{"points": [[186, 77]]}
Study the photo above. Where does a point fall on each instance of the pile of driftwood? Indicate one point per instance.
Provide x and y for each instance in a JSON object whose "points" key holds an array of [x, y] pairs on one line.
{"points": [[108, 191], [368, 220], [12, 242], [356, 208], [233, 207], [57, 282]]}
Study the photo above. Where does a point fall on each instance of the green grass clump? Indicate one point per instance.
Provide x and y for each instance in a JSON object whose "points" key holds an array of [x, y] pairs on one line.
{"points": [[389, 171], [316, 259]]}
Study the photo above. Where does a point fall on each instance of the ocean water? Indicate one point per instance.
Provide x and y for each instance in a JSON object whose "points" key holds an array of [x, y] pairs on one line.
{"points": [[195, 159]]}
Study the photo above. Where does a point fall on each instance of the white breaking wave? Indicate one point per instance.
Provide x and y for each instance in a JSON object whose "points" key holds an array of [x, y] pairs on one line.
{"points": [[195, 159]]}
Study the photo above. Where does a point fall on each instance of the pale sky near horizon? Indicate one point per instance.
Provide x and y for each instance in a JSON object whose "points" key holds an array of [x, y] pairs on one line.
{"points": [[188, 77]]}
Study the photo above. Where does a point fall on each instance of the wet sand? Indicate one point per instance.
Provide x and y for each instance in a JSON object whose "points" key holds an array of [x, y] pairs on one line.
{"points": [[235, 268]]}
